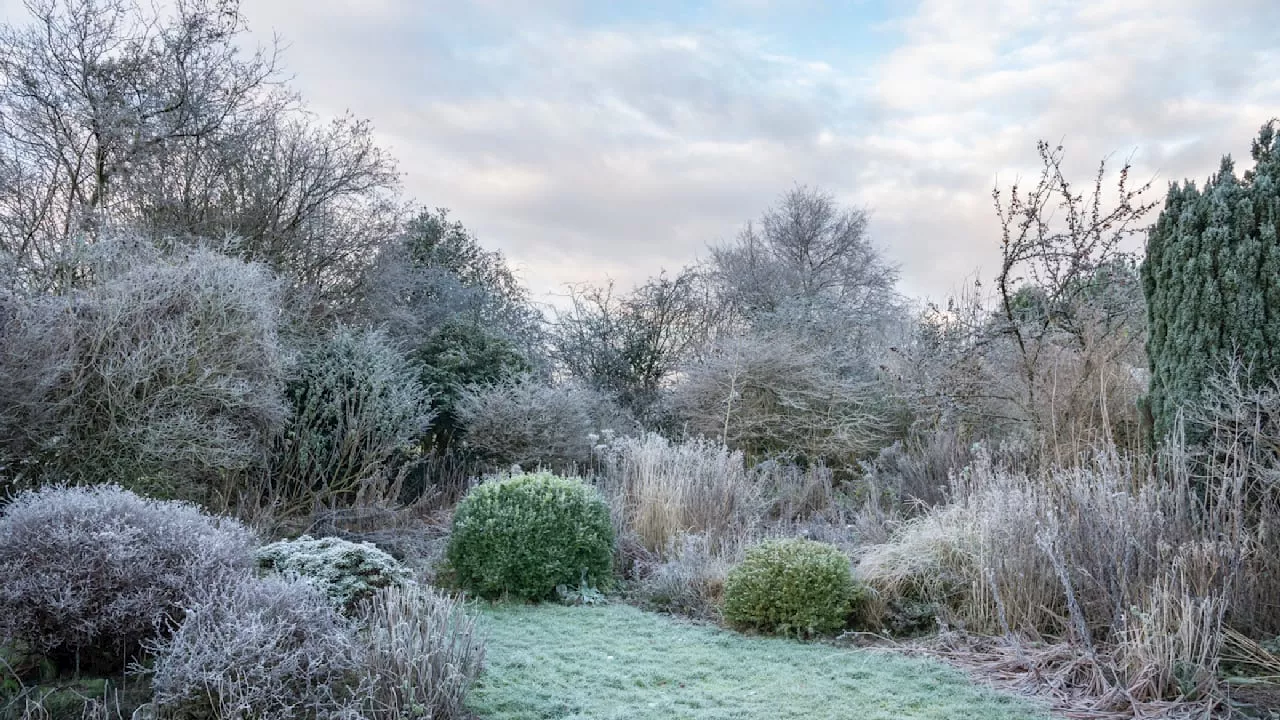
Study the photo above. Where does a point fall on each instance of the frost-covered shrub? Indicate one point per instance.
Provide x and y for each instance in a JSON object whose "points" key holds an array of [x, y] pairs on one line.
{"points": [[168, 367], [524, 535], [345, 571], [422, 653], [791, 587], [260, 648], [357, 402], [688, 581], [529, 423], [91, 573]]}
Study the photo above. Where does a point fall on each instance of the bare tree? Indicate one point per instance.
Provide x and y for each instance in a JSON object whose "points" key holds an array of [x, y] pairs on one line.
{"points": [[315, 201], [810, 308], [115, 114], [1057, 353], [92, 91], [630, 345], [808, 254]]}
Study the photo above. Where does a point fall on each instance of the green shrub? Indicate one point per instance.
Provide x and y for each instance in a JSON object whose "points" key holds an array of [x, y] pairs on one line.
{"points": [[345, 571], [525, 535], [791, 587], [358, 410]]}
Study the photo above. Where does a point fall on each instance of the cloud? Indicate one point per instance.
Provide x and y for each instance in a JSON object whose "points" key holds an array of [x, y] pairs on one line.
{"points": [[584, 143]]}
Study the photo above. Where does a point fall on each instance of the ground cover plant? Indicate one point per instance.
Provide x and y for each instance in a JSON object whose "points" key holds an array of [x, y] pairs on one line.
{"points": [[347, 572], [616, 662]]}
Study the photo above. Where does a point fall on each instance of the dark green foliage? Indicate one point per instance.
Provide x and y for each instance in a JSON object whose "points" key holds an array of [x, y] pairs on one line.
{"points": [[458, 310], [69, 698], [910, 617], [1212, 282], [358, 409], [791, 587], [525, 535], [458, 355]]}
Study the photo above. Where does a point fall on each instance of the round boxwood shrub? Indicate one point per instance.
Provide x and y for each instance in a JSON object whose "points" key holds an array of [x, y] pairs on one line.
{"points": [[524, 535], [792, 587], [347, 572]]}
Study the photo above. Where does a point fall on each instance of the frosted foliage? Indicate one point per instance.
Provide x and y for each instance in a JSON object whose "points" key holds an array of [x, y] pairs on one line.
{"points": [[345, 571], [357, 403], [528, 423], [260, 648], [92, 573], [170, 369], [424, 654]]}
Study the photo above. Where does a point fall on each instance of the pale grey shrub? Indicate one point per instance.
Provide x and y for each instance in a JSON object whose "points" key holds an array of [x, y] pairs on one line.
{"points": [[166, 367], [92, 573], [776, 390], [346, 572], [690, 579], [529, 423], [260, 648], [423, 653]]}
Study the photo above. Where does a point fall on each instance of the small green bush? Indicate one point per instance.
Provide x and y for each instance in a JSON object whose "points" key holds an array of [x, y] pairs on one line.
{"points": [[525, 535], [345, 571], [791, 587]]}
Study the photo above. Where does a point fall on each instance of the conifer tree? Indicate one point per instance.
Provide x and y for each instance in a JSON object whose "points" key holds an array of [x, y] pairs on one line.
{"points": [[1212, 282]]}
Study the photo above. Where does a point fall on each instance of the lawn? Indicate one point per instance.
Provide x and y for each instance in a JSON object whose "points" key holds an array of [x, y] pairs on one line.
{"points": [[555, 662]]}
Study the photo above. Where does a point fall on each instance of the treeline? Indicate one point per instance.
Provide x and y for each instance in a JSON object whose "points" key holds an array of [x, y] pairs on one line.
{"points": [[209, 293]]}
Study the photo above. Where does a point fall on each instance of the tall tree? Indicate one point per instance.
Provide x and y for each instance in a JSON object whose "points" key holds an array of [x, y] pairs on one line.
{"points": [[120, 113], [91, 90], [806, 256], [458, 309], [1212, 282]]}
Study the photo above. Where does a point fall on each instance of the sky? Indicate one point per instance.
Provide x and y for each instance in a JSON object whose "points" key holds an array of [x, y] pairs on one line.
{"points": [[588, 139]]}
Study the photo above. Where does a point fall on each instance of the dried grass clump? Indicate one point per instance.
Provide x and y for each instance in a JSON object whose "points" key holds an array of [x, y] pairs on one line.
{"points": [[661, 490], [422, 654], [690, 580], [278, 648], [1138, 571], [930, 560]]}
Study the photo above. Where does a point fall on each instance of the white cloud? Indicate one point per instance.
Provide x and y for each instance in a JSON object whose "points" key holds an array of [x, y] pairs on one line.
{"points": [[590, 150]]}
